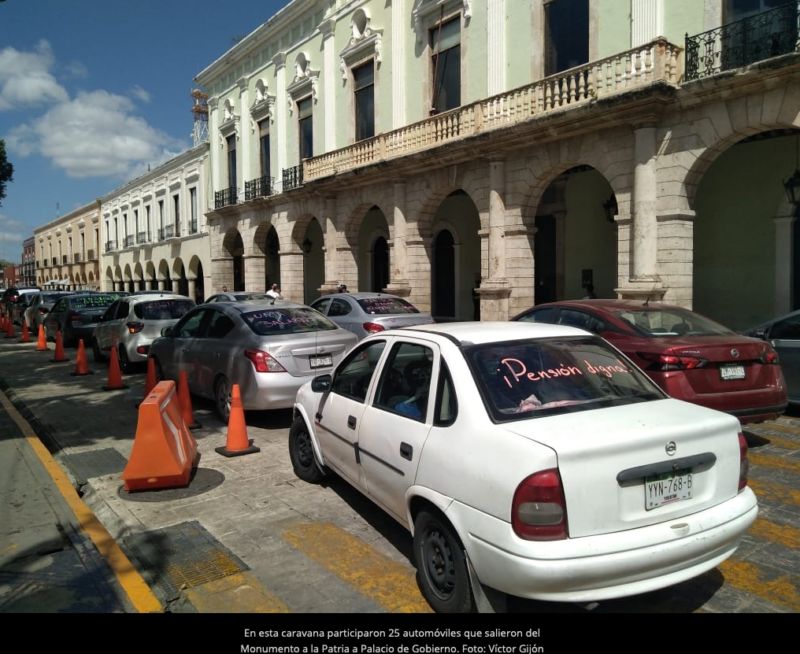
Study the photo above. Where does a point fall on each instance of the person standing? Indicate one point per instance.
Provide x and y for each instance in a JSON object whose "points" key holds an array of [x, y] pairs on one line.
{"points": [[275, 292]]}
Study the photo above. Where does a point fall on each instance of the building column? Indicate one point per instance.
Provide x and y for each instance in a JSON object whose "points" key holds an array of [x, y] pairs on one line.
{"points": [[213, 142], [399, 26], [329, 84], [254, 272], [496, 63], [784, 264], [245, 123], [329, 250], [398, 284], [495, 291], [192, 288], [282, 116]]}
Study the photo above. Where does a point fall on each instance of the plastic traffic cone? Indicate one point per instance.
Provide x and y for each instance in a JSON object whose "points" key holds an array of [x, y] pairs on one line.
{"points": [[59, 355], [26, 336], [41, 344], [114, 374], [81, 364], [185, 402], [237, 443], [150, 381], [10, 328]]}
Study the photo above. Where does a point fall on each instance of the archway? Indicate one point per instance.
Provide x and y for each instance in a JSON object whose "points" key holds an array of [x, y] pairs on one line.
{"points": [[444, 270]]}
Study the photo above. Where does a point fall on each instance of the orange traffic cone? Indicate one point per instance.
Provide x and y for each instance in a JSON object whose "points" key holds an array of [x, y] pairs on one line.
{"points": [[81, 364], [59, 355], [10, 328], [237, 443], [114, 374], [26, 336], [150, 381], [41, 344], [185, 402]]}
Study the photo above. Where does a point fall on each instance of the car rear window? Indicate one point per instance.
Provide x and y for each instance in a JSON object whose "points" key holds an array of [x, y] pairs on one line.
{"points": [[287, 321], [528, 379], [162, 309], [386, 305], [95, 301], [658, 322], [52, 297]]}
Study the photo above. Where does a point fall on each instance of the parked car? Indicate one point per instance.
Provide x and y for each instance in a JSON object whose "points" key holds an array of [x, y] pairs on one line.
{"points": [[17, 309], [783, 334], [538, 456], [691, 357], [268, 348], [10, 296], [233, 297], [76, 316], [40, 304], [133, 322], [369, 313]]}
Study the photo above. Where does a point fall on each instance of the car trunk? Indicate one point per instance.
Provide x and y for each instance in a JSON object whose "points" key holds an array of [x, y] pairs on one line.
{"points": [[604, 457], [314, 355], [400, 320]]}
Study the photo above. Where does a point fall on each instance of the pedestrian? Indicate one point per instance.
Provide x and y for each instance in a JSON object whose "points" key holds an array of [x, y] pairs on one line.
{"points": [[342, 288], [275, 292], [589, 292], [224, 289]]}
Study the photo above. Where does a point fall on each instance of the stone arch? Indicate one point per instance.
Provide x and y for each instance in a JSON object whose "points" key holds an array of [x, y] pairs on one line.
{"points": [[138, 276], [151, 281], [373, 275], [163, 276]]}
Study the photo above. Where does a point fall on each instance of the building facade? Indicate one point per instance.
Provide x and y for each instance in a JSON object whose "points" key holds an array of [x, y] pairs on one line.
{"points": [[154, 229], [420, 145], [28, 267], [67, 250]]}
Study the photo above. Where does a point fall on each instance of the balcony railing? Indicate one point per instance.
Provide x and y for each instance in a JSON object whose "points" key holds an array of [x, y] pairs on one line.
{"points": [[64, 258], [655, 61], [169, 231], [54, 261], [77, 257], [258, 188], [111, 246], [141, 238], [292, 177], [755, 38], [129, 241], [193, 226], [90, 255], [225, 198]]}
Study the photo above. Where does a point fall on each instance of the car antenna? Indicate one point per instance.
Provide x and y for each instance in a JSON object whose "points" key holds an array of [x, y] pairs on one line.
{"points": [[652, 290]]}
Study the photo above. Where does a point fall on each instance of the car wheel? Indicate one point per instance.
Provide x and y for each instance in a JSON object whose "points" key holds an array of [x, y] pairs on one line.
{"points": [[222, 398], [441, 563], [96, 352], [125, 364], [301, 452], [159, 370]]}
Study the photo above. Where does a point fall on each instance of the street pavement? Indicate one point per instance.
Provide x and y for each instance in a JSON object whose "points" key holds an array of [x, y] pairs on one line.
{"points": [[247, 536]]}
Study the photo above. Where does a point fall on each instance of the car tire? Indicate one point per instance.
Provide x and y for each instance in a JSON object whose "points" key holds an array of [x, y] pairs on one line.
{"points": [[222, 398], [159, 371], [125, 364], [97, 353], [301, 453], [442, 573]]}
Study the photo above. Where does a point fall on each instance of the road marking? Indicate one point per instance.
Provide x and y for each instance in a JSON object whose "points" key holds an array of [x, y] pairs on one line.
{"points": [[774, 492], [775, 440], [388, 583], [781, 589], [773, 462], [236, 593], [775, 533]]}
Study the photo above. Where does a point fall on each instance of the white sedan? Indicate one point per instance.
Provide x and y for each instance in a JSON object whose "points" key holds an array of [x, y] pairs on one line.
{"points": [[531, 459]]}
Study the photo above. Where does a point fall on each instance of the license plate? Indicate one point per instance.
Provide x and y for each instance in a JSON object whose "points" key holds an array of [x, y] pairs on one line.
{"points": [[731, 372], [667, 488], [321, 362]]}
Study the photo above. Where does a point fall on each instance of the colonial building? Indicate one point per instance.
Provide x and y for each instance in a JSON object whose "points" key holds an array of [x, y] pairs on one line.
{"points": [[154, 229], [417, 146], [67, 250], [28, 269]]}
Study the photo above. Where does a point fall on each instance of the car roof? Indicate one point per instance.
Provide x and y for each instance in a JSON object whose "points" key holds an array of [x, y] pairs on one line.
{"points": [[484, 332], [610, 305], [144, 297], [358, 295]]}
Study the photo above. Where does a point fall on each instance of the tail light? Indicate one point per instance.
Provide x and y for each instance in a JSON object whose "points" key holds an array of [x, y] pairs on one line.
{"points": [[744, 462], [372, 327], [263, 362], [76, 318], [539, 511], [769, 356], [134, 327], [666, 362]]}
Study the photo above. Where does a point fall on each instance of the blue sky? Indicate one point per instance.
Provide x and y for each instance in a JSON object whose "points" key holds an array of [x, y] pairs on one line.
{"points": [[92, 91]]}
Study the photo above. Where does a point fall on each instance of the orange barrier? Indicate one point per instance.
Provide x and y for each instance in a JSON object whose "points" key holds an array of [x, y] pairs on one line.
{"points": [[26, 336], [185, 399], [59, 355], [81, 364], [114, 374], [41, 343], [164, 451], [237, 443]]}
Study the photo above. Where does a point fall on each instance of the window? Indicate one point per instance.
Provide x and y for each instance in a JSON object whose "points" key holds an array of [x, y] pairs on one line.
{"points": [[193, 209], [231, 141], [305, 128], [263, 129], [405, 383], [353, 377], [755, 30], [161, 214], [788, 329], [566, 35], [176, 205], [445, 43], [364, 89]]}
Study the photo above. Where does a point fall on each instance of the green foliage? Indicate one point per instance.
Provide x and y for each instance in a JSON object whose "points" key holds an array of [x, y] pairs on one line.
{"points": [[6, 169]]}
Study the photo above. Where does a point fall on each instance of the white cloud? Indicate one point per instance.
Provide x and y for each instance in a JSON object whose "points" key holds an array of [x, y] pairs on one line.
{"points": [[140, 94], [12, 233], [25, 78], [94, 135]]}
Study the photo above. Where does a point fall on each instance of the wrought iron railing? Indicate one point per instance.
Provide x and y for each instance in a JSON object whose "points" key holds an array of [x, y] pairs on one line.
{"points": [[64, 258], [129, 241], [224, 198], [258, 188], [169, 231], [755, 38], [192, 226], [111, 246], [141, 238], [292, 178], [76, 257], [90, 255]]}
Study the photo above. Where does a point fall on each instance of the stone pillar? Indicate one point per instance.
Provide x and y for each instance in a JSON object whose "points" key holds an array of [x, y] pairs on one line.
{"points": [[329, 83], [496, 63], [495, 291], [645, 228], [254, 272], [784, 264], [399, 26], [398, 284], [244, 137], [213, 142], [292, 278], [280, 101], [329, 251], [192, 288]]}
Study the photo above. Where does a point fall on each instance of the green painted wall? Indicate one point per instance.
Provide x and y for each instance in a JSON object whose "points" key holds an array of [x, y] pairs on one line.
{"points": [[682, 17]]}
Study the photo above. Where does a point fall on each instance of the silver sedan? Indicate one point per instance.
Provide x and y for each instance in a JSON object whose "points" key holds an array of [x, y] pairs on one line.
{"points": [[269, 349]]}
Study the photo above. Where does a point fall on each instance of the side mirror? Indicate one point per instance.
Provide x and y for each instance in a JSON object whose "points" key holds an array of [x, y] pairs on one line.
{"points": [[321, 384], [167, 331]]}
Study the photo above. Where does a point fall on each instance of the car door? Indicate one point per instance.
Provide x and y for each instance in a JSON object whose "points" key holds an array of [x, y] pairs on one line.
{"points": [[339, 414], [395, 425], [784, 336], [55, 317], [103, 333], [181, 354], [211, 351], [341, 312]]}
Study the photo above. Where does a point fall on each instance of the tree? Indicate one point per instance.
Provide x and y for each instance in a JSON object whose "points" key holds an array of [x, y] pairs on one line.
{"points": [[6, 169]]}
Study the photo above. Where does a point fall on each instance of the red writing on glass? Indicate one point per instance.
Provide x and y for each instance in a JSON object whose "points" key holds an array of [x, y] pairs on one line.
{"points": [[517, 371]]}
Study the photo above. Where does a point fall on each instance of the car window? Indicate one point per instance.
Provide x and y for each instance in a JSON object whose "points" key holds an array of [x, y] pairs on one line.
{"points": [[288, 320], [788, 329], [190, 326], [213, 298], [539, 315], [386, 305], [655, 322], [352, 378], [446, 407], [123, 310], [220, 325], [405, 382], [339, 308], [160, 309], [321, 305], [60, 306], [110, 312], [524, 379]]}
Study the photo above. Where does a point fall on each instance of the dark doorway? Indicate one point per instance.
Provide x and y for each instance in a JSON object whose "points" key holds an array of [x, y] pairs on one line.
{"points": [[544, 253], [199, 285], [272, 265], [444, 265], [380, 265], [238, 265], [183, 283]]}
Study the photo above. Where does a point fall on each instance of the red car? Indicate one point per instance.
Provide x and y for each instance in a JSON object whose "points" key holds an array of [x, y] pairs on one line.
{"points": [[688, 355]]}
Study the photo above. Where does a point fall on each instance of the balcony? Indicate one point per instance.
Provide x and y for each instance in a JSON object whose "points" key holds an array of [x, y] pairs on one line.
{"points": [[141, 238], [657, 61], [77, 258], [169, 231], [90, 255], [225, 198], [128, 241], [64, 258], [193, 226], [769, 34], [110, 246], [258, 188], [292, 177]]}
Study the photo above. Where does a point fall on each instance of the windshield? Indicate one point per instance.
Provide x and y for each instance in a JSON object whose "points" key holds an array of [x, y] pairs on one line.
{"points": [[386, 305], [162, 309], [528, 379], [287, 321], [655, 322]]}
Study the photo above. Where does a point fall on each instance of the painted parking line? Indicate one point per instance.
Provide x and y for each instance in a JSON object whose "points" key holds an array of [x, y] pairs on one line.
{"points": [[780, 589], [775, 533], [774, 462], [780, 442], [236, 593], [391, 585], [776, 493]]}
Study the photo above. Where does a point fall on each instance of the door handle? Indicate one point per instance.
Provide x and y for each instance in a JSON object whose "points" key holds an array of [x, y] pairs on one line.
{"points": [[351, 422], [406, 451]]}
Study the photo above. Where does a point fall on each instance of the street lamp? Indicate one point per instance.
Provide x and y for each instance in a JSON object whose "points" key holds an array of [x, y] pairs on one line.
{"points": [[306, 245], [610, 208]]}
